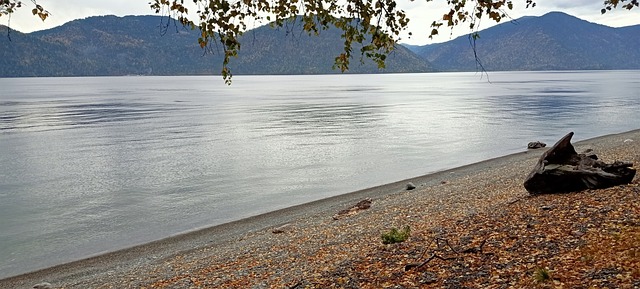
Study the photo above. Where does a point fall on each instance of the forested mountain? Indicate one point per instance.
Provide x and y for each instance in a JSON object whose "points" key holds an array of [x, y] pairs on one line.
{"points": [[105, 45], [554, 41], [153, 45]]}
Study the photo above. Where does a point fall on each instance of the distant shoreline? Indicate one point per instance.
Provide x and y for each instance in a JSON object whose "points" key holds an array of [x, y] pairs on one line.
{"points": [[240, 75]]}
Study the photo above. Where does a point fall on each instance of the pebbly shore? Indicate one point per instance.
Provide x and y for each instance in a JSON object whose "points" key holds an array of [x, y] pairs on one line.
{"points": [[310, 246]]}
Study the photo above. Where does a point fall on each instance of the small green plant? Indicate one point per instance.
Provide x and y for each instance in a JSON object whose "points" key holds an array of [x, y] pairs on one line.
{"points": [[396, 236], [587, 258], [542, 275]]}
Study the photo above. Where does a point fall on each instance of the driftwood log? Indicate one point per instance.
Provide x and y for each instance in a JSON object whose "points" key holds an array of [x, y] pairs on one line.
{"points": [[562, 169], [362, 205]]}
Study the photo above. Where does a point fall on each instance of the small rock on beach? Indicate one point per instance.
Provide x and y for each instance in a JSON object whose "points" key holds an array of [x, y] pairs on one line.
{"points": [[536, 145], [410, 186]]}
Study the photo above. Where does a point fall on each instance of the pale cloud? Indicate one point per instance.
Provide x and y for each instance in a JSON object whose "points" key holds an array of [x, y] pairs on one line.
{"points": [[421, 13], [63, 11]]}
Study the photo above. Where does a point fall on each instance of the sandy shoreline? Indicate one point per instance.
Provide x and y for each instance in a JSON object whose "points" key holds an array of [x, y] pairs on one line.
{"points": [[450, 186]]}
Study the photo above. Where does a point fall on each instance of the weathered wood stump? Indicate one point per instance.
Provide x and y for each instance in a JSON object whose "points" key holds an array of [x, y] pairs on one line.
{"points": [[562, 169]]}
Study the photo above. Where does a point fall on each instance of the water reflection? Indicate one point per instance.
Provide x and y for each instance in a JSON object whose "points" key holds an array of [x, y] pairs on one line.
{"points": [[316, 118], [541, 104], [64, 114]]}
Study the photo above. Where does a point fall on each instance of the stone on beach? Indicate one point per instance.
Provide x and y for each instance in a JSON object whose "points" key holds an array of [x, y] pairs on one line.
{"points": [[43, 285], [536, 145], [281, 229], [410, 186]]}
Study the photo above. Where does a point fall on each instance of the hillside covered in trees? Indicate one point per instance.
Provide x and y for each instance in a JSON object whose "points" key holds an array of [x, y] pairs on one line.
{"points": [[554, 41], [154, 45]]}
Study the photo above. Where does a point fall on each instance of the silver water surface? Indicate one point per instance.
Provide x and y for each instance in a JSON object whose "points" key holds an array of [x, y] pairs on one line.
{"points": [[91, 165]]}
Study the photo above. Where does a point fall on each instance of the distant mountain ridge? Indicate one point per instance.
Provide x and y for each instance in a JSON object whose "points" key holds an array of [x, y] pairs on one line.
{"points": [[154, 45], [554, 41], [146, 45]]}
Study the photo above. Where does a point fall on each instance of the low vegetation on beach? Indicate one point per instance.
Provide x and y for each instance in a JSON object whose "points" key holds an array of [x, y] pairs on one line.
{"points": [[396, 236]]}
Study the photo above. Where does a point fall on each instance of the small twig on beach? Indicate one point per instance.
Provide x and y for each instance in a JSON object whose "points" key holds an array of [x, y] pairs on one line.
{"points": [[446, 242], [513, 201], [433, 256], [438, 241]]}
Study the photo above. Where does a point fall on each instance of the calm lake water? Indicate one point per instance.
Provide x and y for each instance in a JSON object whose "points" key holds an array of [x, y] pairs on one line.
{"points": [[90, 165]]}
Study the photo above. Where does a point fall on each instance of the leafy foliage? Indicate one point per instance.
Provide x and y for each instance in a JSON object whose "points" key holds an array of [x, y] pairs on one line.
{"points": [[9, 6], [375, 24], [611, 4], [396, 236]]}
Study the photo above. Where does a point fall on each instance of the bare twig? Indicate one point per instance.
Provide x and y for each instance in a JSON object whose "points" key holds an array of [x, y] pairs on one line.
{"points": [[440, 242], [433, 256], [472, 41]]}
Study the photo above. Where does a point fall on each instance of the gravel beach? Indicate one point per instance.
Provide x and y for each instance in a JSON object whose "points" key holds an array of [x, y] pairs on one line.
{"points": [[467, 220]]}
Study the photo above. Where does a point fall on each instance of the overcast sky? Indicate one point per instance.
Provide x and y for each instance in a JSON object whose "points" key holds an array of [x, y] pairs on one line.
{"points": [[420, 12]]}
